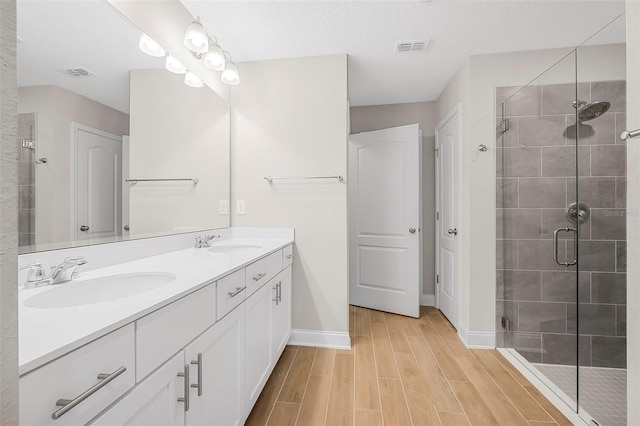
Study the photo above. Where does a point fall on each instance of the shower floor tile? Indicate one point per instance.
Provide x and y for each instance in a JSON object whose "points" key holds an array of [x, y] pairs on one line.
{"points": [[603, 391]]}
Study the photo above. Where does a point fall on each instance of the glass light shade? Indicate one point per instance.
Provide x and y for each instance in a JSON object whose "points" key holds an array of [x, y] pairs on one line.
{"points": [[175, 66], [214, 58], [192, 80], [230, 75], [196, 38], [150, 47]]}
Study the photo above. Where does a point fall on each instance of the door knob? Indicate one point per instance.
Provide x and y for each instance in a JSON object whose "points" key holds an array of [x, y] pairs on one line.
{"points": [[84, 228], [453, 231], [126, 227], [412, 230]]}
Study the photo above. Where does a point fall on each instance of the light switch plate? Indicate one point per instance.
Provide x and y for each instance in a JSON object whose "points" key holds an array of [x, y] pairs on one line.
{"points": [[240, 207], [223, 206]]}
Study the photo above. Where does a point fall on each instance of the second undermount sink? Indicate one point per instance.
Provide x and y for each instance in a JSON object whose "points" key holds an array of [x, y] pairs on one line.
{"points": [[224, 248], [98, 290]]}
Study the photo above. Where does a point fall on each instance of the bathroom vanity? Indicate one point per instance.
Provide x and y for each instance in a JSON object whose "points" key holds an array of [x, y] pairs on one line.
{"points": [[197, 348]]}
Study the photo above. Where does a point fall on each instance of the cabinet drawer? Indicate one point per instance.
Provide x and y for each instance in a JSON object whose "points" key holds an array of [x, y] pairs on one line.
{"points": [[261, 271], [287, 256], [73, 374], [230, 292], [164, 332]]}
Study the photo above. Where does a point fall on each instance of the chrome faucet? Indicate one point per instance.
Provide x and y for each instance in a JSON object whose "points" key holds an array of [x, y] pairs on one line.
{"points": [[67, 270], [205, 241]]}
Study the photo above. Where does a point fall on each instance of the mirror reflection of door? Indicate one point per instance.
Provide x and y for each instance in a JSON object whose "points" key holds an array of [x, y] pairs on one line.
{"points": [[98, 183]]}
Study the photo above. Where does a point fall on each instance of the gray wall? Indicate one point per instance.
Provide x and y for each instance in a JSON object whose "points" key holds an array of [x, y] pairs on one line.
{"points": [[367, 118], [535, 183]]}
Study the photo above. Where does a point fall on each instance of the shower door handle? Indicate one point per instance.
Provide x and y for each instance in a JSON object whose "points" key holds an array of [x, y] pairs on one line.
{"points": [[556, 234]]}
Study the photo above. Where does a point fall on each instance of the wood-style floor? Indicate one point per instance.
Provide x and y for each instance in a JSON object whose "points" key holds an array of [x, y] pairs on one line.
{"points": [[400, 371]]}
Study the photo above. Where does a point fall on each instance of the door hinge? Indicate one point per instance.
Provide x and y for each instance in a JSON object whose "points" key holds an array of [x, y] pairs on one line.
{"points": [[503, 126]]}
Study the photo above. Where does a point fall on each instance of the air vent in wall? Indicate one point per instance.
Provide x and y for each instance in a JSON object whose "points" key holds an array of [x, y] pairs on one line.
{"points": [[412, 46], [77, 72]]}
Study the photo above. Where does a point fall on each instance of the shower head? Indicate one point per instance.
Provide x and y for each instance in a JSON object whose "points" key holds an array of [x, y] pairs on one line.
{"points": [[589, 111]]}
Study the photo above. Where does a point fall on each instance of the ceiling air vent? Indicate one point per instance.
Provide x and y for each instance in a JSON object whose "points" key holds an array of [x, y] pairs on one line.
{"points": [[412, 46], [77, 72]]}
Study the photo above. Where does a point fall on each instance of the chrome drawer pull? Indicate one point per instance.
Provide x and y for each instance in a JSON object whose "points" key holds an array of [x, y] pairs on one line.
{"points": [[185, 374], [68, 404], [289, 256], [235, 293], [279, 291], [277, 299], [199, 364], [259, 277]]}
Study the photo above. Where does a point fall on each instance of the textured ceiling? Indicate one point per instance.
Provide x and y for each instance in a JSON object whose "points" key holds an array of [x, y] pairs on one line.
{"points": [[369, 30]]}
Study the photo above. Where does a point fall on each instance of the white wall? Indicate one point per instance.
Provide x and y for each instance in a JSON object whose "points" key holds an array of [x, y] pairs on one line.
{"points": [[177, 131], [474, 87], [367, 118], [56, 109], [8, 218], [289, 118]]}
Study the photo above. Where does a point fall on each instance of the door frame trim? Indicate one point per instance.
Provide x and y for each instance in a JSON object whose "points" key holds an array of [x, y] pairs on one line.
{"points": [[73, 170], [457, 109]]}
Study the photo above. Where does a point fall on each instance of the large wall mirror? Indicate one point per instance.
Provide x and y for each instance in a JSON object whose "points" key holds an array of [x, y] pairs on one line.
{"points": [[112, 146]]}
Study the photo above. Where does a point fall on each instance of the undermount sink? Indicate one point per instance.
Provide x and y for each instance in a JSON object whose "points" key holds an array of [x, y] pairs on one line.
{"points": [[98, 290], [232, 247]]}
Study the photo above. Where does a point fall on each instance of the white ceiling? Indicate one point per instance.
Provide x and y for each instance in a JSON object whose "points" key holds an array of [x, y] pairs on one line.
{"points": [[90, 33], [369, 30]]}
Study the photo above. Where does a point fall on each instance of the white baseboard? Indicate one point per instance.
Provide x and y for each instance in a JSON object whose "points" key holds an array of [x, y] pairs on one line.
{"points": [[427, 300], [477, 339], [320, 339]]}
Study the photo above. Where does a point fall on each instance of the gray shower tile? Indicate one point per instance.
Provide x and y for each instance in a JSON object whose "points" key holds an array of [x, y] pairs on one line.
{"points": [[609, 288], [507, 254], [507, 192], [558, 98], [561, 287], [561, 161], [595, 192], [621, 125], [518, 162], [26, 173], [609, 160], [26, 221], [608, 224], [596, 255], [27, 196], [595, 319], [621, 256], [510, 137], [26, 239], [553, 219], [609, 352], [621, 192], [614, 92], [518, 223], [26, 155], [601, 131], [529, 345], [542, 316], [621, 320], [538, 255], [561, 349], [524, 101], [521, 285], [545, 130], [542, 192]]}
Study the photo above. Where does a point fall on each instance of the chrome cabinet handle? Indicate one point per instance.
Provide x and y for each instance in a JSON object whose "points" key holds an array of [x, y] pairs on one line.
{"points": [[276, 299], [185, 399], [68, 404], [198, 385], [555, 246], [289, 256], [237, 292], [279, 291], [259, 277], [453, 231], [412, 230], [84, 228]]}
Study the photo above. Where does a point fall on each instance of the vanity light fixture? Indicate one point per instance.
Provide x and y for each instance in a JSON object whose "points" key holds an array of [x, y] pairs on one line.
{"points": [[175, 66], [192, 80], [230, 74], [196, 39], [214, 58], [150, 47]]}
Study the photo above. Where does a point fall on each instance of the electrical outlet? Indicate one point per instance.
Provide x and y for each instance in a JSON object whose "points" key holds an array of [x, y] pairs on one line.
{"points": [[240, 207], [223, 206]]}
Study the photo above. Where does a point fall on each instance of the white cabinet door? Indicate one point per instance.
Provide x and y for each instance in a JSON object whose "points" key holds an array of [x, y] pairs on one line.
{"points": [[281, 313], [154, 402], [258, 342], [217, 373]]}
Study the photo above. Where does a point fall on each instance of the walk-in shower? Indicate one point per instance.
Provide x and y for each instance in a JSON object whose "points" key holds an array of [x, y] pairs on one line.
{"points": [[561, 230]]}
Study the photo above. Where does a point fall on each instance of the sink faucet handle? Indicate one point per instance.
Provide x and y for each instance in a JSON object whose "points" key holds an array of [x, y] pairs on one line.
{"points": [[36, 271], [199, 241], [76, 260]]}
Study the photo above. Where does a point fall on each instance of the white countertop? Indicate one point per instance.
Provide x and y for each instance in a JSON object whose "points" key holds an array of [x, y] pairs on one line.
{"points": [[46, 334]]}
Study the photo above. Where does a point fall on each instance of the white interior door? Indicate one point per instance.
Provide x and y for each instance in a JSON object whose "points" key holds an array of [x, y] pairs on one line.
{"points": [[448, 216], [384, 220], [98, 183]]}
